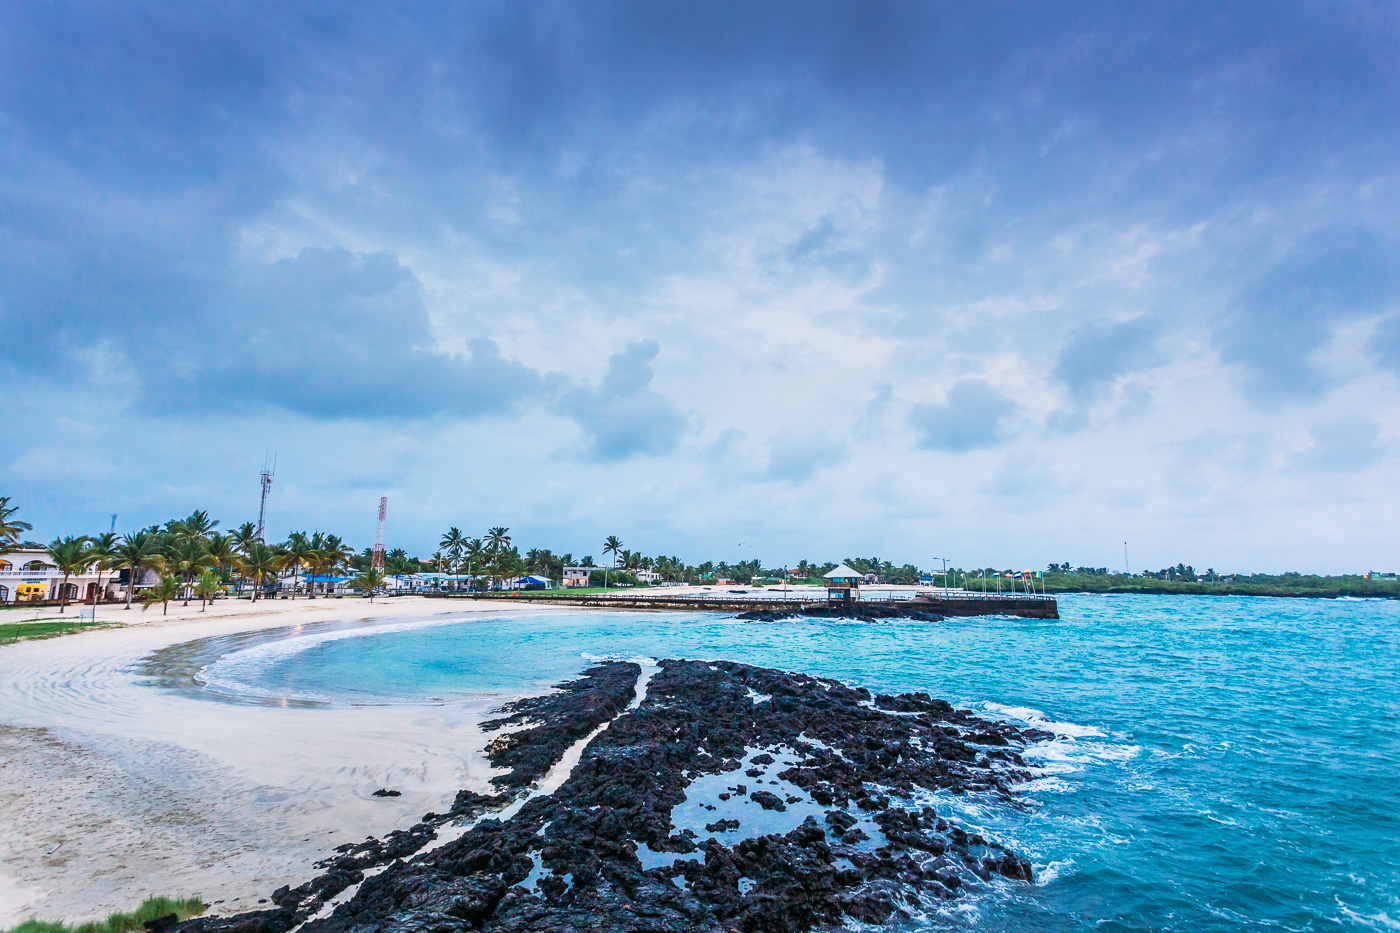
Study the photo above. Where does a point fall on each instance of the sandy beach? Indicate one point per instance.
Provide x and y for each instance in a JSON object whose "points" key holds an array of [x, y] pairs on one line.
{"points": [[112, 790]]}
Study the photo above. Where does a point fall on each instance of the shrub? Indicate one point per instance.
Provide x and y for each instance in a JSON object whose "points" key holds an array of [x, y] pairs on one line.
{"points": [[150, 909]]}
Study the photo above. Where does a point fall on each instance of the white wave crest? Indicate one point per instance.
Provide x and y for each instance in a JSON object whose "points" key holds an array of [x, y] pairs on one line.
{"points": [[1037, 719], [635, 659]]}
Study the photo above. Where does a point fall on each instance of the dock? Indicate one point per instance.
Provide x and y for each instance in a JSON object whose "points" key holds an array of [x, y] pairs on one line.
{"points": [[958, 605]]}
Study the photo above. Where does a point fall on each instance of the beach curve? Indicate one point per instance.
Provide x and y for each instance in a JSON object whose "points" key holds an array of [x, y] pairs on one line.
{"points": [[111, 788]]}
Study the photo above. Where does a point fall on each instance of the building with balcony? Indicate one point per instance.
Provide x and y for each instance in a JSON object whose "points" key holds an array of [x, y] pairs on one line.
{"points": [[28, 575], [843, 586]]}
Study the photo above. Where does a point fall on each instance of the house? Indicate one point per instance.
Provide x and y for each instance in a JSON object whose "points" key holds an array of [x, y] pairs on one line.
{"points": [[647, 576], [29, 575], [843, 585], [575, 576]]}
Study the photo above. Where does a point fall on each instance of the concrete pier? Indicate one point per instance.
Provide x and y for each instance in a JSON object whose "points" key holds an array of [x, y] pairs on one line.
{"points": [[955, 604]]}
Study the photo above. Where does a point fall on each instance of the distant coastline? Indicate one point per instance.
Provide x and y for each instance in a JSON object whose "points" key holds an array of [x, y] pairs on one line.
{"points": [[1308, 587]]}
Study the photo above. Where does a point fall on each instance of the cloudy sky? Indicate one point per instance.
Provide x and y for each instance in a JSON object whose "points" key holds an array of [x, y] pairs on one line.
{"points": [[1003, 283]]}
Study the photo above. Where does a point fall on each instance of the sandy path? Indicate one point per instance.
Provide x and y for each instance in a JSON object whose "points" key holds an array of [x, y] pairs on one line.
{"points": [[112, 790]]}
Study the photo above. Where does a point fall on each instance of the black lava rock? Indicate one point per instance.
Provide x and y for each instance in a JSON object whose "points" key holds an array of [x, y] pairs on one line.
{"points": [[864, 766]]}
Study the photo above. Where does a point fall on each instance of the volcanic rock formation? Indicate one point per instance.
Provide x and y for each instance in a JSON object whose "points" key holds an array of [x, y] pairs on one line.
{"points": [[731, 798]]}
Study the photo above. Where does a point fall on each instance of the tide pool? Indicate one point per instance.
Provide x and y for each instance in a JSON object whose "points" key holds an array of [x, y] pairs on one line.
{"points": [[1220, 764]]}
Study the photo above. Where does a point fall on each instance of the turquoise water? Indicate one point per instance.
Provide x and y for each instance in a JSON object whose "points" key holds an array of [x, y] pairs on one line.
{"points": [[1223, 764]]}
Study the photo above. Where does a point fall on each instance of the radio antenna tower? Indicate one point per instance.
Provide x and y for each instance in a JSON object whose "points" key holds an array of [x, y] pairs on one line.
{"points": [[378, 559], [269, 468]]}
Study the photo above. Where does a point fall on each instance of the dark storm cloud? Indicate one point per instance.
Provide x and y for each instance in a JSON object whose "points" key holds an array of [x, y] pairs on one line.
{"points": [[1289, 313], [624, 416], [167, 93], [327, 333], [973, 416], [141, 140], [1097, 354], [335, 334]]}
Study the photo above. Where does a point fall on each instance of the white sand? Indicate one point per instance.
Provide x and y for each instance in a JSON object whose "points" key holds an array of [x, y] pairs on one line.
{"points": [[112, 790]]}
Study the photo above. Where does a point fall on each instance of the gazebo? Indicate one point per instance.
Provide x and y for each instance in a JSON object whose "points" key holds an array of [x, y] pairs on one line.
{"points": [[842, 586]]}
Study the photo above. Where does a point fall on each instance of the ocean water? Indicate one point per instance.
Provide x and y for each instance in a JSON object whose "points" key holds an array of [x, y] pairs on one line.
{"points": [[1220, 763]]}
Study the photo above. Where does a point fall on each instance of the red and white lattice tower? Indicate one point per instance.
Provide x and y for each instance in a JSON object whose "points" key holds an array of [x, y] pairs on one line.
{"points": [[378, 559]]}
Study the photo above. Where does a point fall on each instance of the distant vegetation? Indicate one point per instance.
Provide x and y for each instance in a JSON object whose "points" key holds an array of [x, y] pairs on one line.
{"points": [[1184, 579], [150, 909], [194, 560]]}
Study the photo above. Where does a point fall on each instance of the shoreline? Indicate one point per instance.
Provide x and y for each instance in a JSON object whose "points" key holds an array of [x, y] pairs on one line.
{"points": [[108, 782]]}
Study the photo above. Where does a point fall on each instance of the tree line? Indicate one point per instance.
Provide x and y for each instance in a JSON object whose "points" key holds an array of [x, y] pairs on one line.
{"points": [[192, 559]]}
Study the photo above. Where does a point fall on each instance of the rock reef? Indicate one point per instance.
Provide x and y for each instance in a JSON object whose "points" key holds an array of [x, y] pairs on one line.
{"points": [[732, 798]]}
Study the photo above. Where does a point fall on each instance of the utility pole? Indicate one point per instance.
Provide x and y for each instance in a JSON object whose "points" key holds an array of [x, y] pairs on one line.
{"points": [[113, 529], [1126, 568], [269, 468], [377, 560]]}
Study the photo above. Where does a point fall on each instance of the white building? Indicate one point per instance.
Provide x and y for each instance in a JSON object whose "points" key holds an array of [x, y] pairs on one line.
{"points": [[29, 575]]}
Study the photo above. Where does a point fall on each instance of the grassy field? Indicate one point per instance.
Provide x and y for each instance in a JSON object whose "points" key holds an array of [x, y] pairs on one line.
{"points": [[11, 632], [150, 909]]}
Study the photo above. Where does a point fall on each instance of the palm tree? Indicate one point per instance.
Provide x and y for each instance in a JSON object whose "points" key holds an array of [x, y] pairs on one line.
{"points": [[300, 554], [207, 587], [138, 552], [245, 535], [398, 565], [222, 550], [257, 562], [452, 543], [315, 561], [497, 543], [614, 546], [475, 551], [335, 554], [10, 527], [71, 556], [165, 589], [369, 580], [103, 548], [199, 524], [187, 556]]}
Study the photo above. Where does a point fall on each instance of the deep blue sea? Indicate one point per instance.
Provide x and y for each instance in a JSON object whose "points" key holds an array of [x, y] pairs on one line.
{"points": [[1223, 763]]}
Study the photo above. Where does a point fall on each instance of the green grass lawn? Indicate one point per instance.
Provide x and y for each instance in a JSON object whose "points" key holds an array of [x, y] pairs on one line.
{"points": [[572, 591], [11, 632], [150, 909]]}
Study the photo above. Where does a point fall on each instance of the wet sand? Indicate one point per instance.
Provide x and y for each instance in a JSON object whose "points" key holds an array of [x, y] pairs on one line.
{"points": [[112, 790]]}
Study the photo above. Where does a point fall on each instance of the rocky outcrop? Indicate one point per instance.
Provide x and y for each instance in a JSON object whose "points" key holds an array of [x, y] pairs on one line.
{"points": [[732, 798]]}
